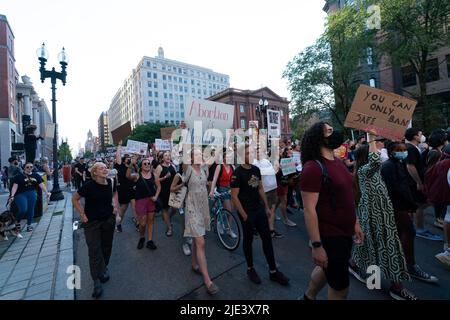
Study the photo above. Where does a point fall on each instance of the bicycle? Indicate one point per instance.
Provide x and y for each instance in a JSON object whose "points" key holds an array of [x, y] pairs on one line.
{"points": [[224, 223]]}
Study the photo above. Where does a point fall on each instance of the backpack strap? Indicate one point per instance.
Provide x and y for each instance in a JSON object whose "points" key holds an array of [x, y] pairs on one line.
{"points": [[327, 183]]}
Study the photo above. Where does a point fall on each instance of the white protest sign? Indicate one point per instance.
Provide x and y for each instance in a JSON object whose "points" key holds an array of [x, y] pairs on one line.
{"points": [[208, 115], [162, 145], [274, 124], [49, 130], [287, 166], [137, 147]]}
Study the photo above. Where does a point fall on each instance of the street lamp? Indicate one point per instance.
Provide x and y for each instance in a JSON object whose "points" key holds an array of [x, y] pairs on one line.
{"points": [[263, 103], [42, 53]]}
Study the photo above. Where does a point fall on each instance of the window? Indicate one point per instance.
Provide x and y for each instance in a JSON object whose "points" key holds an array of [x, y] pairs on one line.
{"points": [[193, 90], [155, 76], [165, 95], [182, 114], [171, 105], [448, 65], [243, 121], [164, 77], [369, 56], [154, 65], [164, 67], [181, 97], [150, 103], [282, 112], [170, 95], [242, 108], [180, 80], [155, 85], [156, 103], [176, 97], [166, 104], [175, 79], [150, 94], [170, 78], [149, 84], [170, 87], [149, 74], [432, 72], [171, 114], [179, 70], [169, 68], [182, 106], [148, 64], [192, 82], [165, 86], [373, 82], [408, 76], [156, 94], [176, 87], [150, 113]]}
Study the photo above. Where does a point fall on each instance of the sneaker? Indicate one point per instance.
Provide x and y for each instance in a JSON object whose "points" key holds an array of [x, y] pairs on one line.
{"points": [[402, 295], [105, 276], [290, 223], [119, 228], [151, 245], [426, 234], [439, 223], [416, 272], [29, 229], [137, 226], [354, 271], [186, 249], [279, 277], [253, 276], [276, 235], [169, 232], [220, 228], [189, 241], [232, 234], [444, 257], [277, 218], [141, 243], [98, 289]]}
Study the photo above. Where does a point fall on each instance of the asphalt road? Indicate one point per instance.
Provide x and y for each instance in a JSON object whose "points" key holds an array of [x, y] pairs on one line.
{"points": [[166, 272]]}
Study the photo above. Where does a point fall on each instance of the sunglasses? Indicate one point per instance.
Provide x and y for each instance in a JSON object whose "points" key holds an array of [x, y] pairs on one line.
{"points": [[146, 163], [29, 167]]}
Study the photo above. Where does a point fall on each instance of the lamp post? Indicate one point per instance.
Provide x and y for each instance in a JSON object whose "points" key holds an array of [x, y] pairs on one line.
{"points": [[42, 53], [263, 103]]}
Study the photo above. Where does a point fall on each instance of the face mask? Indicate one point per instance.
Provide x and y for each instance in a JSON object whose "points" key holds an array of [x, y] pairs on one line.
{"points": [[352, 148], [423, 139], [334, 141], [400, 155]]}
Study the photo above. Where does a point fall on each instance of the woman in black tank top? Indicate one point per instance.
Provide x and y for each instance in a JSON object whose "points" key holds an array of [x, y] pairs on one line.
{"points": [[164, 175]]}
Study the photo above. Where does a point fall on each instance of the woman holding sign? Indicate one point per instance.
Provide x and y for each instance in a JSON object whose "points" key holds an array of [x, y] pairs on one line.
{"points": [[282, 191]]}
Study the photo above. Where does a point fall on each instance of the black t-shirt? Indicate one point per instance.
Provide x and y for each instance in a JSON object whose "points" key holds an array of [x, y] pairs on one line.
{"points": [[81, 168], [247, 180], [414, 158], [124, 182], [98, 199], [145, 188], [155, 164], [211, 171], [27, 183], [165, 184]]}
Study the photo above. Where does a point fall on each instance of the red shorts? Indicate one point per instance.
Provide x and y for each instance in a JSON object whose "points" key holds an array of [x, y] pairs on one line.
{"points": [[282, 190], [144, 206]]}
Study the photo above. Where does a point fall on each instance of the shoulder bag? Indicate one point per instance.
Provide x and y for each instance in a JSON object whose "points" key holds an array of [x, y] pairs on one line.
{"points": [[176, 199]]}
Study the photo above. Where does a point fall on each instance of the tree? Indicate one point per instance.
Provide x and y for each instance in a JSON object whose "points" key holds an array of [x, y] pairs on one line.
{"points": [[88, 155], [322, 77], [146, 132], [411, 31], [64, 152]]}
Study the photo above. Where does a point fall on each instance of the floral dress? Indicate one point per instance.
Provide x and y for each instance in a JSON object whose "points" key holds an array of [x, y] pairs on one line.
{"points": [[197, 219], [381, 246]]}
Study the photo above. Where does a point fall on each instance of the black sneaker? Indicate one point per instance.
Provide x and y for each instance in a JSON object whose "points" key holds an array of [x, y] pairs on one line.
{"points": [[105, 276], [141, 243], [402, 295], [98, 289], [279, 277], [276, 235], [253, 276], [29, 229], [119, 228], [151, 245]]}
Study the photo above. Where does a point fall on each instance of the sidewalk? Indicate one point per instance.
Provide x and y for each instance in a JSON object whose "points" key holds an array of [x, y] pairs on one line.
{"points": [[34, 268]]}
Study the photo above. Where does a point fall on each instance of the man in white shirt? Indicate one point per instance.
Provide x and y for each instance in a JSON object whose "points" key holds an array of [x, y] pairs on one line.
{"points": [[269, 181], [380, 146]]}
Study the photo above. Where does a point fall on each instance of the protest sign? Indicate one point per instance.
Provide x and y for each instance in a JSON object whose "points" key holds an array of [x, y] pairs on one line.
{"points": [[49, 130], [287, 166], [137, 147], [121, 132], [207, 115], [342, 151], [387, 113], [166, 133], [162, 145], [273, 124], [296, 156]]}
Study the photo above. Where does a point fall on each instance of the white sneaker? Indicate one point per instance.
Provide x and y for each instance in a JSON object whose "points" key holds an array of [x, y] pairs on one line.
{"points": [[277, 218], [186, 249], [220, 228], [290, 223], [189, 241], [232, 234], [444, 257]]}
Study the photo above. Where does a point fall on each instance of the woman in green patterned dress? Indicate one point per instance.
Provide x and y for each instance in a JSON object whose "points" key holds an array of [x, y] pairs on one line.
{"points": [[382, 246]]}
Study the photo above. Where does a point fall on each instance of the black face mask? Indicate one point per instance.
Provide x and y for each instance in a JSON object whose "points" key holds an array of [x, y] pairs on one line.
{"points": [[334, 141]]}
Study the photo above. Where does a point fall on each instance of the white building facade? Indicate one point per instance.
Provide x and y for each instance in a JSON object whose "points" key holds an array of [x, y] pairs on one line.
{"points": [[157, 89]]}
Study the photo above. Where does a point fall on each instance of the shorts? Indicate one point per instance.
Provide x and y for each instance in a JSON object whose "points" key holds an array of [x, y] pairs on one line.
{"points": [[339, 251], [282, 190], [225, 189], [419, 197], [125, 195], [272, 198], [144, 206]]}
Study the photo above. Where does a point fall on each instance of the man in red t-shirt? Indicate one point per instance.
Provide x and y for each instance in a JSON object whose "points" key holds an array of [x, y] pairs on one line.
{"points": [[329, 209]]}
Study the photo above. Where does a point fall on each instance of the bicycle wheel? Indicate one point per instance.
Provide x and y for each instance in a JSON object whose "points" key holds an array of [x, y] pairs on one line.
{"points": [[228, 230]]}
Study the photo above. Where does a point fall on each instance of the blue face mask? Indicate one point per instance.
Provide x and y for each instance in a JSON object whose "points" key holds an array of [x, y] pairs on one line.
{"points": [[400, 155]]}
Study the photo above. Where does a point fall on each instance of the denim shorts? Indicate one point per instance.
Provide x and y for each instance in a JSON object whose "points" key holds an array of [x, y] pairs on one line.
{"points": [[223, 190]]}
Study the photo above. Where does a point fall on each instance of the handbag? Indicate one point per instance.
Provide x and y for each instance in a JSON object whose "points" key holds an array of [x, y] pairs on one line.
{"points": [[176, 199]]}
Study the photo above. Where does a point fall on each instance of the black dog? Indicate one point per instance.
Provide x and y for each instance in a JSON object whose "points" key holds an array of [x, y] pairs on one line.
{"points": [[8, 224]]}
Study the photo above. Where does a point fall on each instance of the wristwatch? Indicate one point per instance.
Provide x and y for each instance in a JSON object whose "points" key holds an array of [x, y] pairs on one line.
{"points": [[316, 244]]}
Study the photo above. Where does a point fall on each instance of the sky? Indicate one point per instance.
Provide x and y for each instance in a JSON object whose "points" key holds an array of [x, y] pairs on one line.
{"points": [[250, 40]]}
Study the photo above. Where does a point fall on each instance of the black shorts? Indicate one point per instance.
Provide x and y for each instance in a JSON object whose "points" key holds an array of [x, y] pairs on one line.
{"points": [[125, 195], [419, 196], [339, 251]]}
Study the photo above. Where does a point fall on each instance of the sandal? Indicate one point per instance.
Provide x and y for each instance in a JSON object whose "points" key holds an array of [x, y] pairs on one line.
{"points": [[197, 270], [212, 289]]}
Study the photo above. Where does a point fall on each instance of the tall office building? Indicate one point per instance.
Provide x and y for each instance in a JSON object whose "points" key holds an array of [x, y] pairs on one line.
{"points": [[103, 130], [156, 91]]}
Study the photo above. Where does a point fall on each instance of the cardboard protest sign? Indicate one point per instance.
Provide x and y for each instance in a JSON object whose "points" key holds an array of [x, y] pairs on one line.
{"points": [[166, 133], [342, 151], [387, 113], [162, 145], [137, 147], [287, 166], [121, 132]]}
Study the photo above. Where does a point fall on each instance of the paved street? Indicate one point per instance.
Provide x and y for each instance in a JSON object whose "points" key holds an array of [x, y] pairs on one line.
{"points": [[166, 273]]}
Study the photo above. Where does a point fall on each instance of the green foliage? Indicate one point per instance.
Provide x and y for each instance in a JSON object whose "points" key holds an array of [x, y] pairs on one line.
{"points": [[88, 155], [64, 152], [147, 132]]}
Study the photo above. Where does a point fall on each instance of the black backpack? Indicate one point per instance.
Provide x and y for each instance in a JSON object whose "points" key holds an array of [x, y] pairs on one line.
{"points": [[327, 182]]}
